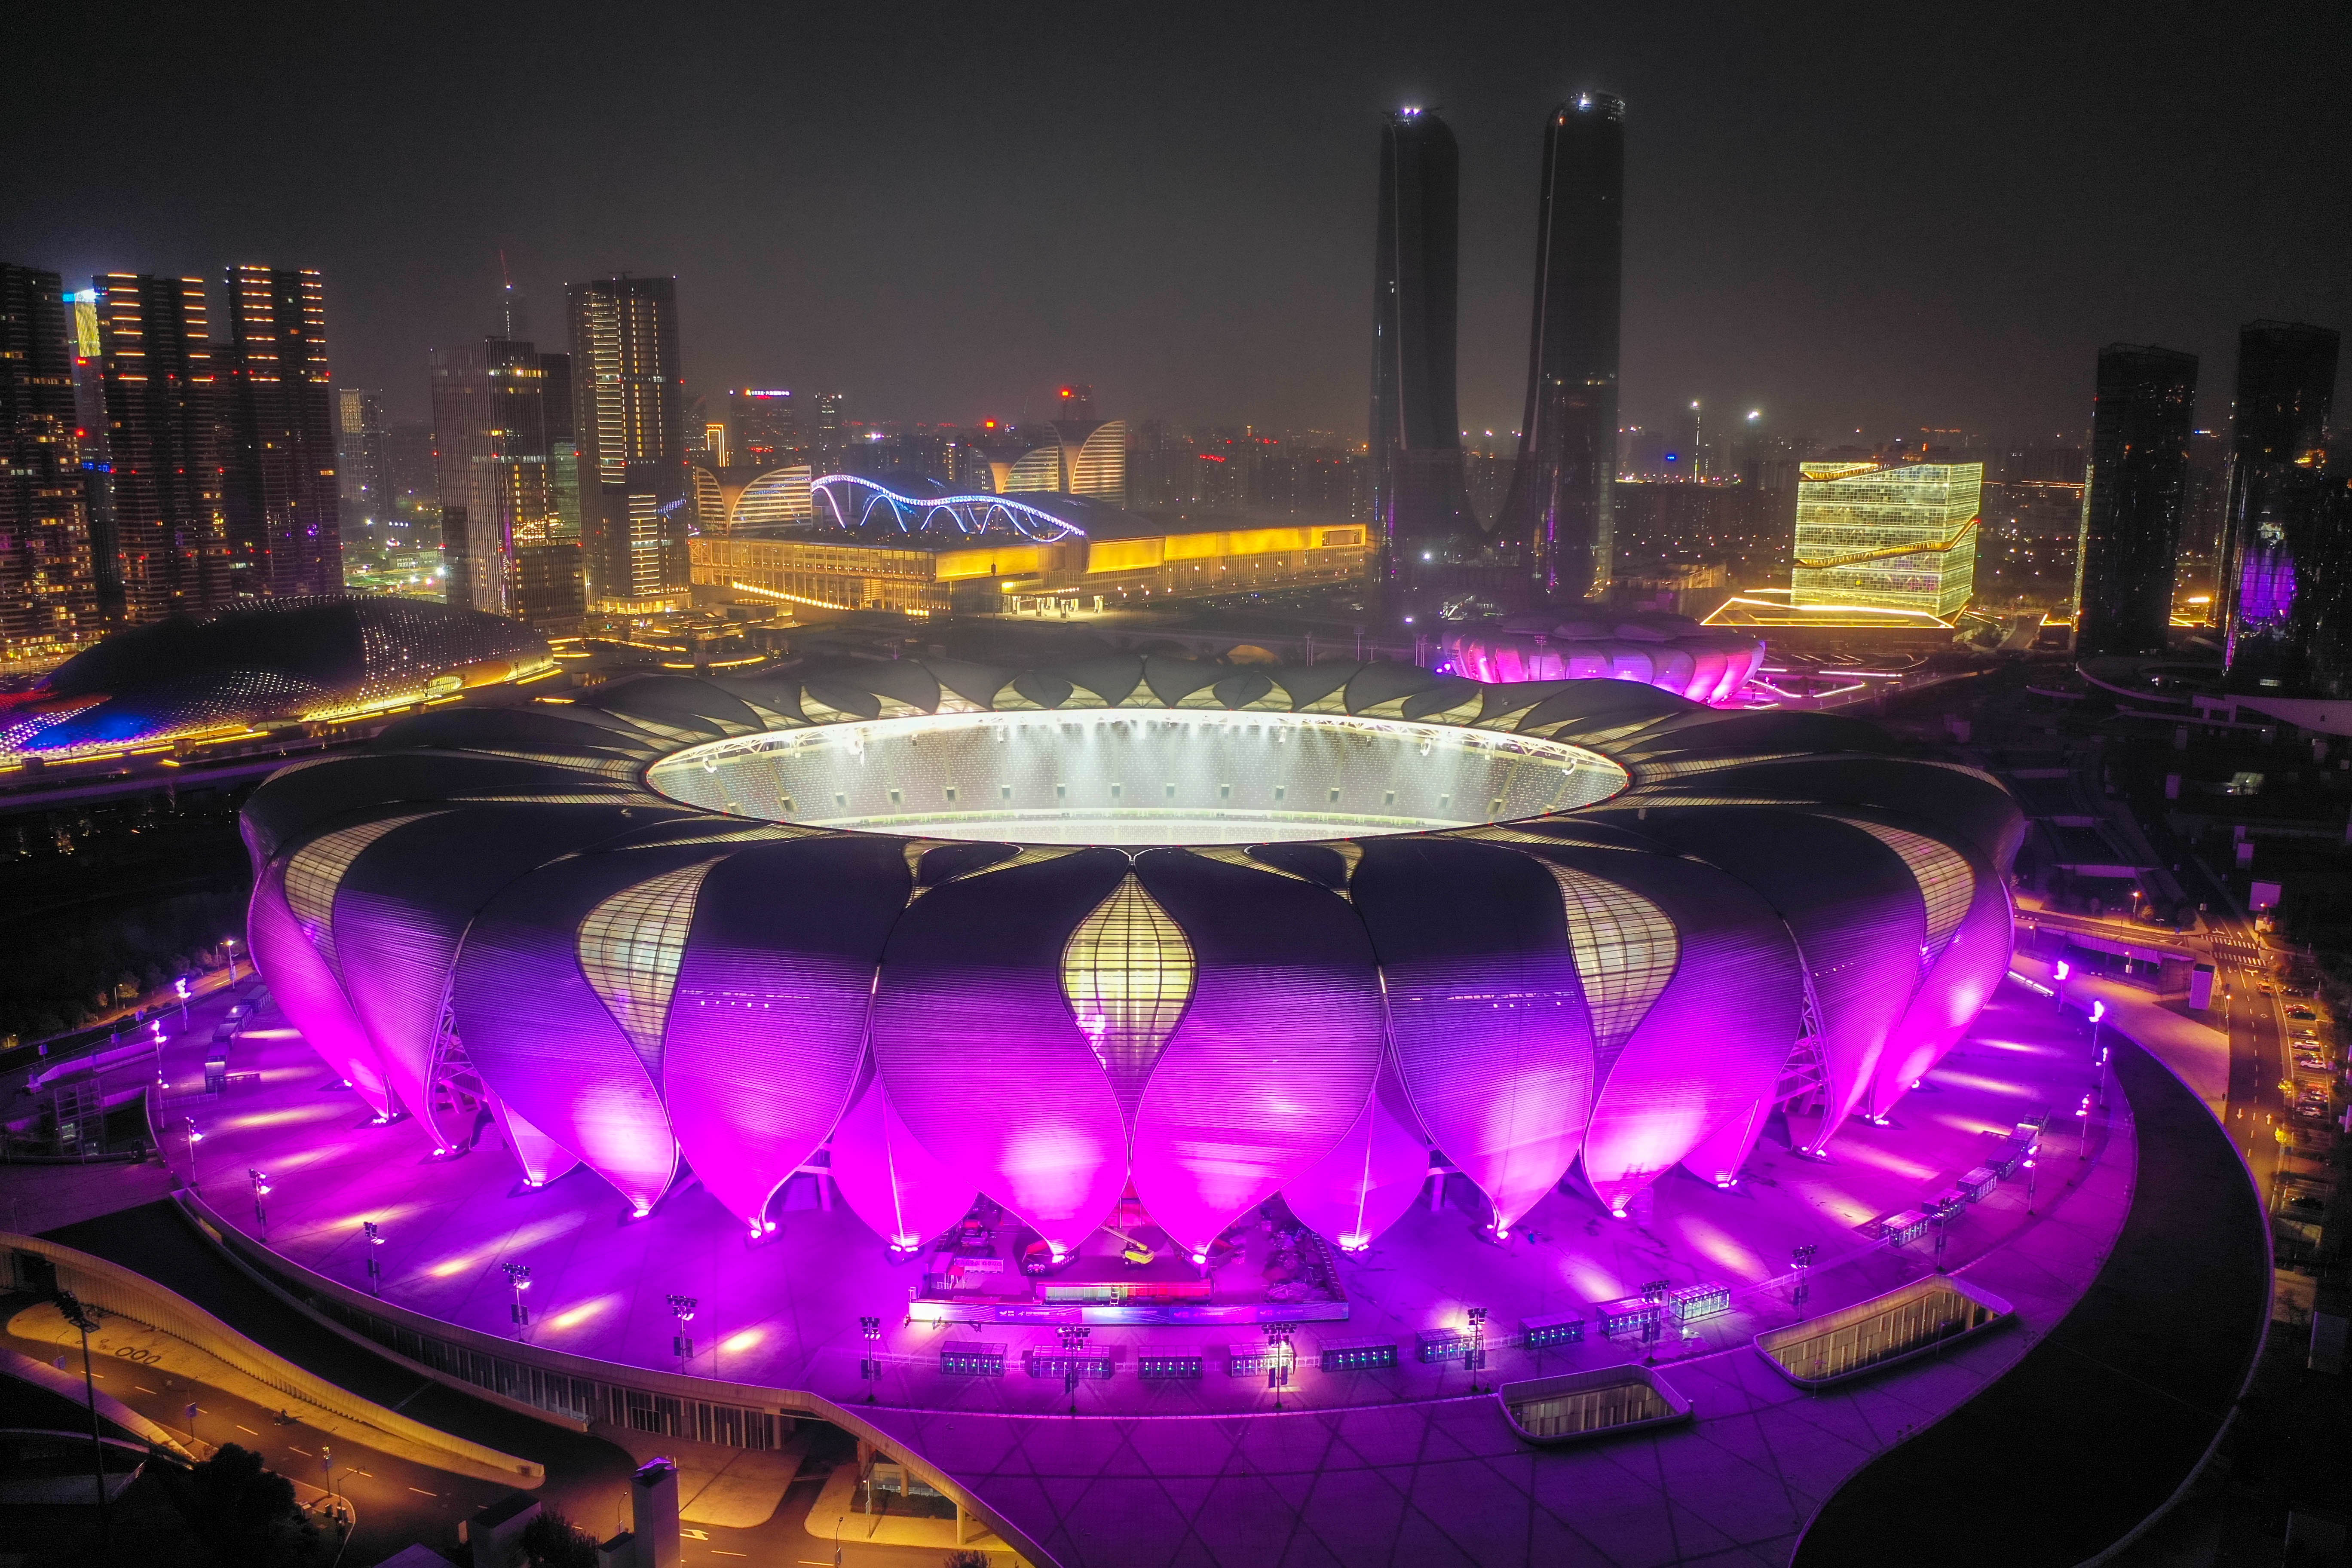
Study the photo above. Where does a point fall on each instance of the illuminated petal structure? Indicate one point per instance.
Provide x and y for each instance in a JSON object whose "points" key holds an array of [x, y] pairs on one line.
{"points": [[1136, 929]]}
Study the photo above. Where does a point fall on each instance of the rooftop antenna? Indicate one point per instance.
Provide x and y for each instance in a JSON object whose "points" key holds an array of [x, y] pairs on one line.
{"points": [[516, 324]]}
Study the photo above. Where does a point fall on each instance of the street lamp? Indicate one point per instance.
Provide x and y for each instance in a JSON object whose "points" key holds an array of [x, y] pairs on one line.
{"points": [[519, 1277], [82, 1318], [181, 985], [195, 1138], [2058, 973], [1279, 1358], [2029, 1183], [2098, 1011], [230, 942], [1801, 1259], [376, 1270], [157, 1025], [869, 1367], [260, 1191], [682, 1309], [1474, 1360]]}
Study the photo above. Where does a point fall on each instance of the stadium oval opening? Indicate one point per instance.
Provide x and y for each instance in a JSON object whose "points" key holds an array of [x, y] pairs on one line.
{"points": [[1137, 777]]}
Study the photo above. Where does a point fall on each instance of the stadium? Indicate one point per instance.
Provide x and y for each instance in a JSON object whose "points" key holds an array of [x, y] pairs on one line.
{"points": [[1129, 950]]}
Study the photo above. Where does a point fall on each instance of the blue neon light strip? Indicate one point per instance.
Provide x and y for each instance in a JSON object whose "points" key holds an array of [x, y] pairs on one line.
{"points": [[968, 513]]}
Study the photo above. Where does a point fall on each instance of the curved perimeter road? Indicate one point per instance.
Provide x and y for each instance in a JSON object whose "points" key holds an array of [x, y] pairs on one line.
{"points": [[2098, 1427]]}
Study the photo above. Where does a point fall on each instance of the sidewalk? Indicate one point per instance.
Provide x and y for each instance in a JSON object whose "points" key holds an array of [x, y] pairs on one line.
{"points": [[2198, 1053]]}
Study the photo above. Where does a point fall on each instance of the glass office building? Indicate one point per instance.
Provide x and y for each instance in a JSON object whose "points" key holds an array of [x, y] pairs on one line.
{"points": [[1875, 537]]}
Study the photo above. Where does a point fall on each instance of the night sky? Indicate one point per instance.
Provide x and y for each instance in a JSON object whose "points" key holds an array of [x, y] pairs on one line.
{"points": [[1883, 216]]}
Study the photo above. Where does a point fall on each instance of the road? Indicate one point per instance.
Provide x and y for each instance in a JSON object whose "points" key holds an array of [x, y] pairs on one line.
{"points": [[2254, 1017], [397, 1500]]}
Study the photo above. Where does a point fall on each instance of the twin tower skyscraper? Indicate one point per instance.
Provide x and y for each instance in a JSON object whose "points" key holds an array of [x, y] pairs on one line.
{"points": [[1554, 523]]}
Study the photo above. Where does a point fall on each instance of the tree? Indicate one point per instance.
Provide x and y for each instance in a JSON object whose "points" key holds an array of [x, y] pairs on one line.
{"points": [[246, 1515], [550, 1541]]}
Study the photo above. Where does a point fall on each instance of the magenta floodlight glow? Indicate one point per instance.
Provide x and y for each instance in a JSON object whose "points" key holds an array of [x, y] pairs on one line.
{"points": [[2060, 971], [723, 924]]}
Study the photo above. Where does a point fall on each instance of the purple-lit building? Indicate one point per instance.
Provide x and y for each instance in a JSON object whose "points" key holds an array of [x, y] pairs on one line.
{"points": [[1133, 934]]}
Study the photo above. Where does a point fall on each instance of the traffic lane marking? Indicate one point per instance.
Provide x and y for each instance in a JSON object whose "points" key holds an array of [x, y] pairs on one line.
{"points": [[420, 1491]]}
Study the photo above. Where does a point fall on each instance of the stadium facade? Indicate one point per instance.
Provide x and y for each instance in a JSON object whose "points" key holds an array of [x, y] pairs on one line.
{"points": [[1206, 933]]}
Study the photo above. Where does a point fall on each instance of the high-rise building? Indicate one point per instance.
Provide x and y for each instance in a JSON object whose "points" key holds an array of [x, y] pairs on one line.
{"points": [[363, 478], [764, 426], [280, 486], [1559, 505], [490, 429], [561, 413], [1416, 438], [171, 528], [48, 578], [831, 443], [629, 395], [2134, 502], [2283, 576], [1075, 404], [1900, 538]]}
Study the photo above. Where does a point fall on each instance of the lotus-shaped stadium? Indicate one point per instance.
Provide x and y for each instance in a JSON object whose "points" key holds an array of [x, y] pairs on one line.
{"points": [[1134, 936]]}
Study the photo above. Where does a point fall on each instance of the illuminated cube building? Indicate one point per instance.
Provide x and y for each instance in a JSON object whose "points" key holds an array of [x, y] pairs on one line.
{"points": [[1876, 537]]}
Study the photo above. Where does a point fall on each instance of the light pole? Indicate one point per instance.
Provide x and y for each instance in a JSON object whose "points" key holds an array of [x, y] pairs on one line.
{"points": [[1474, 1360], [2029, 1183], [2098, 1011], [195, 1138], [1279, 1358], [376, 1270], [81, 1317], [260, 1190], [519, 1277], [1074, 1340], [2058, 974], [230, 942], [682, 1309], [869, 1367], [181, 985], [1801, 1259], [157, 1025]]}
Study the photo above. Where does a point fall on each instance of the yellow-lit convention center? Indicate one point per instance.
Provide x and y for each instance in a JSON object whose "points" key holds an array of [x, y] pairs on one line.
{"points": [[913, 545], [1901, 537]]}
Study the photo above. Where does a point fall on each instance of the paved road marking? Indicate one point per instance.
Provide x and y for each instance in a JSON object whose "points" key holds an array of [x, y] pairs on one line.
{"points": [[369, 1474], [247, 1430], [716, 1553], [420, 1491], [144, 1389], [304, 1452]]}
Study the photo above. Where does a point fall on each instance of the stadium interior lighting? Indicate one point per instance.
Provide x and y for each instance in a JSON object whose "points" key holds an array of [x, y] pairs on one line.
{"points": [[1113, 776]]}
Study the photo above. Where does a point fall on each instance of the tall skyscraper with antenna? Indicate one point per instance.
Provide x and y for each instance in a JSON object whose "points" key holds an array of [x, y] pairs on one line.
{"points": [[1557, 513], [1416, 438]]}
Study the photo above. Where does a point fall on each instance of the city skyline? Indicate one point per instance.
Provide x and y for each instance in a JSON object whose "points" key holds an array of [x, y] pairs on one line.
{"points": [[1214, 284]]}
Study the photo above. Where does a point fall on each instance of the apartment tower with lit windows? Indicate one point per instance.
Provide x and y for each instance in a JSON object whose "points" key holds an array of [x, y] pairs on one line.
{"points": [[279, 490], [629, 402]]}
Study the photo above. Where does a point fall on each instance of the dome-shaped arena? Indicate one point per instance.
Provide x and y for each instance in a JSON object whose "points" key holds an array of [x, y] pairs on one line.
{"points": [[1138, 934]]}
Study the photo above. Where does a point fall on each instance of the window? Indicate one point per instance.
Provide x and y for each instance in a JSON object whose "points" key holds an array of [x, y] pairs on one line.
{"points": [[1128, 972], [1625, 948], [316, 870], [1943, 875], [630, 946]]}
